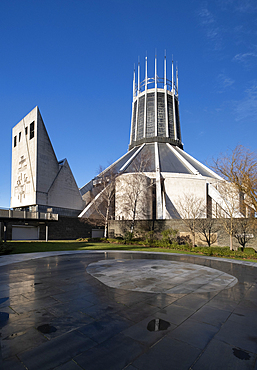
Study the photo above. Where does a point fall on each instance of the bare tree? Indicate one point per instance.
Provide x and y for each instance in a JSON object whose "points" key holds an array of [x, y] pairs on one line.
{"points": [[207, 229], [107, 179], [240, 168], [191, 208], [102, 198], [229, 208], [244, 229], [134, 190]]}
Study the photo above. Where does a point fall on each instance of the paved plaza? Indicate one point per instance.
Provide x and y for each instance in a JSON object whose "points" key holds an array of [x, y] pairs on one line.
{"points": [[127, 310]]}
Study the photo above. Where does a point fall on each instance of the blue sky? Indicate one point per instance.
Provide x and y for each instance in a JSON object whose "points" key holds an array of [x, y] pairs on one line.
{"points": [[75, 60]]}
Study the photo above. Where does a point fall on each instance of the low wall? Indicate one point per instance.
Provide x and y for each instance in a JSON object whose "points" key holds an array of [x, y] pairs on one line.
{"points": [[118, 228], [69, 228], [66, 228]]}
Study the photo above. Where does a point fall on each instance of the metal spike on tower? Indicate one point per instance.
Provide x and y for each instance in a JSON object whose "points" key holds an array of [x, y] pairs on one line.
{"points": [[155, 109]]}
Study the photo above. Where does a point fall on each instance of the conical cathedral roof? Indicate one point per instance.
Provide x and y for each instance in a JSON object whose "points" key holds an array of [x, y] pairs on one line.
{"points": [[155, 131], [172, 159], [156, 144]]}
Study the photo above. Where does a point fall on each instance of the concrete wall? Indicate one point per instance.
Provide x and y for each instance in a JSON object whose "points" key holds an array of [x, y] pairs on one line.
{"points": [[64, 190], [130, 188], [179, 188], [34, 164], [37, 176], [47, 163], [23, 186]]}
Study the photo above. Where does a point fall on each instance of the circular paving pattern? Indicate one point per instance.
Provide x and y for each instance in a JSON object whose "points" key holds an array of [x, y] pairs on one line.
{"points": [[159, 276]]}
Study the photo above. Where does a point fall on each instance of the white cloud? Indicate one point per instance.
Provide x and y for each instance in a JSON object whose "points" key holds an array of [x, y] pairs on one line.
{"points": [[207, 17], [244, 57], [248, 60], [242, 6], [224, 81], [212, 30], [245, 6], [247, 107], [227, 21]]}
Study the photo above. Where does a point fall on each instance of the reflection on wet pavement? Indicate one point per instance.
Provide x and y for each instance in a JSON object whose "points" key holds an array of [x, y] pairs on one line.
{"points": [[114, 310], [157, 325], [46, 329]]}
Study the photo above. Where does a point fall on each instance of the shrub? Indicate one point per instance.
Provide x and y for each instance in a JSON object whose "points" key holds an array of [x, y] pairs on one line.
{"points": [[207, 251], [5, 248], [169, 235], [249, 251], [221, 251], [149, 239], [82, 240], [162, 244], [183, 247], [181, 240], [114, 241], [225, 252], [128, 236]]}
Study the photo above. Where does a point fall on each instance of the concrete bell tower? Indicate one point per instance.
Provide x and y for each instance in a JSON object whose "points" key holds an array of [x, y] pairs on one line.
{"points": [[155, 109], [38, 178], [169, 173]]}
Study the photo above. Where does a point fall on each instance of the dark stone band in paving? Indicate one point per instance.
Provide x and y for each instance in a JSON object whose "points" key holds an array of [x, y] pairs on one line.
{"points": [[117, 310]]}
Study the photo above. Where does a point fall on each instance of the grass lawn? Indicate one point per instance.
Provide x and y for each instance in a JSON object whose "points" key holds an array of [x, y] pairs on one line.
{"points": [[68, 245], [71, 245]]}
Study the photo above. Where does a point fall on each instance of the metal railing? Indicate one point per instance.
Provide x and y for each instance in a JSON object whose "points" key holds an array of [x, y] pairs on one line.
{"points": [[23, 214]]}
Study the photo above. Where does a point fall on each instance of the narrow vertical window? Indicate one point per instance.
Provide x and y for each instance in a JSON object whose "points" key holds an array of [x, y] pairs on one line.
{"points": [[15, 141], [31, 130], [26, 130], [19, 136]]}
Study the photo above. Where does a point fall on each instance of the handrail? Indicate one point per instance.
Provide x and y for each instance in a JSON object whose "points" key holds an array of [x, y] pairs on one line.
{"points": [[23, 214]]}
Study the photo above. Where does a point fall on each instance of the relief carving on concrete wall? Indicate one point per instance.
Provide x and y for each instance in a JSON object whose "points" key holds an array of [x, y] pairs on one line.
{"points": [[22, 184]]}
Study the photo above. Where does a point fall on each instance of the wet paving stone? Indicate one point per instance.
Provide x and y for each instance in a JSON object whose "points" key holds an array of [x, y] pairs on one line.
{"points": [[194, 333], [167, 354], [4, 317], [105, 328], [239, 335], [137, 312], [86, 323], [56, 352], [162, 300], [20, 341], [212, 359], [116, 354], [3, 300], [12, 364], [14, 335], [212, 316], [70, 365]]}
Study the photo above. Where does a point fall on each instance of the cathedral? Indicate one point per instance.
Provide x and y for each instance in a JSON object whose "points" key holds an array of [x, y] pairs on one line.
{"points": [[149, 182], [156, 162]]}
